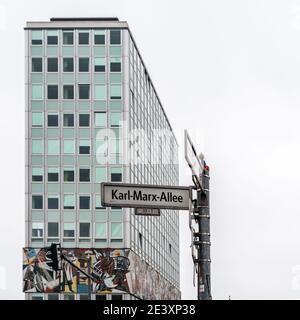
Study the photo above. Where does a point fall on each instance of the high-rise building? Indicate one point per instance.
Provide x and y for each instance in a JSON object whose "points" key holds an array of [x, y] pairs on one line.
{"points": [[93, 115]]}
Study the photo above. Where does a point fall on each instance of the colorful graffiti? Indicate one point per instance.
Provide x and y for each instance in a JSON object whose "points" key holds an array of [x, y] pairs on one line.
{"points": [[107, 268], [38, 273], [110, 271]]}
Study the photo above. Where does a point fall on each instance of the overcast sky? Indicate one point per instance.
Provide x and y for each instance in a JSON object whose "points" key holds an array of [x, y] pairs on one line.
{"points": [[229, 72]]}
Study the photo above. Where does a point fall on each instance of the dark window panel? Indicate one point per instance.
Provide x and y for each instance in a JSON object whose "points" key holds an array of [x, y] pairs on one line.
{"points": [[115, 66], [68, 65], [36, 42], [68, 120], [52, 92], [37, 65], [84, 91], [84, 150], [52, 203], [115, 37], [84, 120], [52, 40], [84, 175], [99, 39], [52, 229], [84, 64], [37, 202], [52, 120], [52, 65], [36, 178], [68, 37], [99, 68], [84, 229], [68, 92], [69, 175], [84, 202], [115, 177], [52, 176], [83, 38]]}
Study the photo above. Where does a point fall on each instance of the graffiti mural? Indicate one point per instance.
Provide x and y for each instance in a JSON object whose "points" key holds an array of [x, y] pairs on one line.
{"points": [[147, 283], [38, 273], [109, 271]]}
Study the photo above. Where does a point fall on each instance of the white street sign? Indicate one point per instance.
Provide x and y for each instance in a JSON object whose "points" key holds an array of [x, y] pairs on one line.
{"points": [[145, 196]]}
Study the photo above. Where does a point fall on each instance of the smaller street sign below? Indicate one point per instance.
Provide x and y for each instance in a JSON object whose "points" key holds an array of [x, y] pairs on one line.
{"points": [[147, 211]]}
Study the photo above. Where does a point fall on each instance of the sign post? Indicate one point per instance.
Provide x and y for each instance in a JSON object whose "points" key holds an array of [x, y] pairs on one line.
{"points": [[200, 230]]}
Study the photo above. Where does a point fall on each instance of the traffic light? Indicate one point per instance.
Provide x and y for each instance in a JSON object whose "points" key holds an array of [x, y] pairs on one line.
{"points": [[52, 254]]}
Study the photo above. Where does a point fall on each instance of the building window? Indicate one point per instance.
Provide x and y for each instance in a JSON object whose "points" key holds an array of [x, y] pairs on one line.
{"points": [[68, 37], [115, 119], [100, 230], [115, 92], [69, 201], [52, 37], [84, 147], [52, 65], [84, 202], [52, 120], [37, 65], [53, 146], [52, 91], [99, 92], [37, 92], [69, 146], [69, 175], [37, 37], [116, 230], [83, 37], [37, 119], [116, 297], [37, 202], [84, 175], [83, 64], [115, 65], [84, 91], [100, 297], [84, 120], [68, 120], [116, 174], [115, 37], [84, 229], [69, 229], [99, 37], [68, 92], [99, 65], [37, 296], [100, 119], [53, 174], [68, 65], [100, 174], [52, 202], [37, 146], [37, 230], [52, 229], [37, 174], [53, 296], [98, 202]]}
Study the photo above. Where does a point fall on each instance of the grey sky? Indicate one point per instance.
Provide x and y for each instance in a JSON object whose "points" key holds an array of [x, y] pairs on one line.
{"points": [[229, 71]]}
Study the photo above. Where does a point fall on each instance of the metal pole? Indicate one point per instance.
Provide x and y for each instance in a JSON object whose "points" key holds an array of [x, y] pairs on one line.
{"points": [[204, 287], [89, 278]]}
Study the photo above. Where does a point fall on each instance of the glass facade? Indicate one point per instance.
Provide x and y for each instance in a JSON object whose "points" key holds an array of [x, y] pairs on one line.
{"points": [[87, 91]]}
